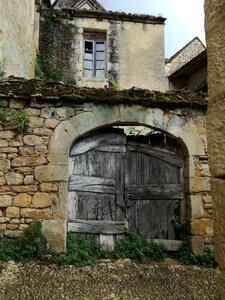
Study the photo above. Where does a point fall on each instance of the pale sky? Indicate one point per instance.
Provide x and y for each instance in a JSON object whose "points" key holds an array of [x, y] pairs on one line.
{"points": [[185, 18]]}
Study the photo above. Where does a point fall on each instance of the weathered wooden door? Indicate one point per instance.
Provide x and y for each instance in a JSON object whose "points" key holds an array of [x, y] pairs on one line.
{"points": [[98, 182], [117, 178], [154, 185]]}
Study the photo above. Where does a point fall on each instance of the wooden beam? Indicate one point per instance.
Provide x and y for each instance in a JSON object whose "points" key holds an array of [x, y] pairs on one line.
{"points": [[171, 245], [92, 184], [97, 227], [154, 192]]}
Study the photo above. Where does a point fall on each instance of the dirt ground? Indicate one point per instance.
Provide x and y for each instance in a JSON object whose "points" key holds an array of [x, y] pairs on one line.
{"points": [[122, 279]]}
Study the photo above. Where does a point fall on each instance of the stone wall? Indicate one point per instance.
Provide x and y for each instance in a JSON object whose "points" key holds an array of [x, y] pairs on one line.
{"points": [[35, 168], [19, 30], [215, 27], [141, 64]]}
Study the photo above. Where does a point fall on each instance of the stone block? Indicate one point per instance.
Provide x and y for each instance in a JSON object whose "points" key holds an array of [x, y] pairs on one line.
{"points": [[13, 178], [13, 233], [12, 226], [3, 143], [2, 181], [33, 140], [23, 226], [12, 212], [33, 213], [15, 221], [51, 173], [42, 131], [12, 155], [13, 143], [46, 112], [29, 179], [5, 189], [51, 123], [48, 187], [24, 188], [24, 170], [55, 232], [8, 150], [41, 200], [32, 111], [4, 220], [35, 121], [5, 165], [199, 184], [5, 200], [22, 200], [197, 210], [197, 244], [28, 161], [202, 227], [2, 226], [6, 134], [25, 151], [41, 150]]}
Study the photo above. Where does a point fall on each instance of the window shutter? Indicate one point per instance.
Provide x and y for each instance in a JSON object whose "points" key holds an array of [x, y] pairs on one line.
{"points": [[88, 58], [100, 59]]}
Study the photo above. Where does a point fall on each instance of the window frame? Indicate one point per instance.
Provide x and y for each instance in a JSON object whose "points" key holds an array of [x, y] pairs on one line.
{"points": [[95, 39]]}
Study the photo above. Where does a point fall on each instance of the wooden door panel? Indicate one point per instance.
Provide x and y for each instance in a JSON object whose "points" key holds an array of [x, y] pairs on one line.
{"points": [[113, 179], [97, 182], [153, 185]]}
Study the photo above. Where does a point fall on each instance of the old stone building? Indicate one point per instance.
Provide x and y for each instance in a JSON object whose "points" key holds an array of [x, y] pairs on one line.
{"points": [[187, 69], [45, 173], [97, 48]]}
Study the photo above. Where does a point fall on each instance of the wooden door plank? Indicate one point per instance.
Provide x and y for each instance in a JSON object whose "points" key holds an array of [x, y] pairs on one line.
{"points": [[92, 184], [97, 227], [150, 192], [166, 156], [96, 140]]}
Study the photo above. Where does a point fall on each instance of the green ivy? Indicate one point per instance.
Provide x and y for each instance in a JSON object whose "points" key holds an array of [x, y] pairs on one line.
{"points": [[17, 119], [44, 69], [187, 257]]}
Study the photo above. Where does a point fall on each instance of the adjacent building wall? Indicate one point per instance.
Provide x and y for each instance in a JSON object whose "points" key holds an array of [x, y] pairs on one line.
{"points": [[215, 28], [18, 37], [135, 48]]}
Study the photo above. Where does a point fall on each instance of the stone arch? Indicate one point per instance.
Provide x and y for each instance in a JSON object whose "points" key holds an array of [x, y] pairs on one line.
{"points": [[64, 135]]}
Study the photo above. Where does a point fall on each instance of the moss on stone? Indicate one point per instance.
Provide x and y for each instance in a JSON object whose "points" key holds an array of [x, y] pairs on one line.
{"points": [[53, 91]]}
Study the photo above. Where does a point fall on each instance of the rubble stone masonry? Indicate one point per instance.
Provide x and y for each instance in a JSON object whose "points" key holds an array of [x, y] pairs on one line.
{"points": [[34, 165]]}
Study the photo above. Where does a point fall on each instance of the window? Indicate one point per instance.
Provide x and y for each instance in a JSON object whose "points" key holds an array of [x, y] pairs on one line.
{"points": [[94, 55]]}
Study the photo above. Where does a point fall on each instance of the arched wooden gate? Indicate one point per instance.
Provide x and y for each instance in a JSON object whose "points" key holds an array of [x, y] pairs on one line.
{"points": [[117, 177]]}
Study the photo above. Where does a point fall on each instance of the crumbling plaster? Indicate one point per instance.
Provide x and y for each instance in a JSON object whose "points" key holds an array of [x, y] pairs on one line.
{"points": [[19, 33]]}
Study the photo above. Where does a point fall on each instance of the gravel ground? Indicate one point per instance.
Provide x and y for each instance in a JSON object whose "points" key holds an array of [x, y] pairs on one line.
{"points": [[119, 280]]}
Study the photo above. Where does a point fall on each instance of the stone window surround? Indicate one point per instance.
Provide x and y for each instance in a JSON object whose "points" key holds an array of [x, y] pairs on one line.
{"points": [[58, 169]]}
